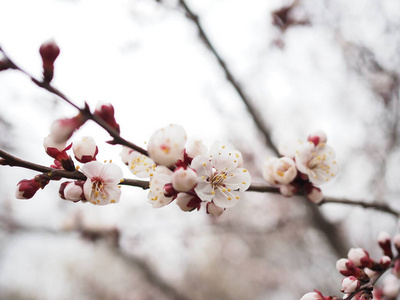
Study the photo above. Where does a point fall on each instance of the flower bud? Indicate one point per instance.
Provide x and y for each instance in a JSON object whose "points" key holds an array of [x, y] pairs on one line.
{"points": [[187, 202], [85, 150], [350, 284], [106, 112], [316, 295], [359, 257], [385, 242], [184, 180], [49, 51], [214, 210], [314, 194], [166, 145], [268, 170], [385, 261], [26, 189], [345, 267], [284, 170], [317, 137], [72, 190], [62, 129]]}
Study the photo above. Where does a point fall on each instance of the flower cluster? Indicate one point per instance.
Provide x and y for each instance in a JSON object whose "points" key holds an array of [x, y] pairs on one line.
{"points": [[101, 186], [361, 272], [304, 165], [190, 174]]}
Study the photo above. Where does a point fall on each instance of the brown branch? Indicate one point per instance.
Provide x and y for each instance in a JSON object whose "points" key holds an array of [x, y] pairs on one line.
{"points": [[117, 139], [13, 161], [230, 77]]}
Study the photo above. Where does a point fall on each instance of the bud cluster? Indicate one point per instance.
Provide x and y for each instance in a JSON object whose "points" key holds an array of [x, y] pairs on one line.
{"points": [[302, 167], [361, 272]]}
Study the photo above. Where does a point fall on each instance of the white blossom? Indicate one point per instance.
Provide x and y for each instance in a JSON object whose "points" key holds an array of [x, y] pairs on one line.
{"points": [[221, 180], [156, 196], [140, 165], [101, 186], [166, 145], [196, 147], [318, 162]]}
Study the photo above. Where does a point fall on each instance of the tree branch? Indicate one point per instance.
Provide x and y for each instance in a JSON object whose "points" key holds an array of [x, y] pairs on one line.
{"points": [[117, 139]]}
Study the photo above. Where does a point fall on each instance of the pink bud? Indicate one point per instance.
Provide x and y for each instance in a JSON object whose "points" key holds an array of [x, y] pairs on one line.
{"points": [[385, 261], [72, 190], [345, 267], [314, 194], [62, 129], [187, 202], [359, 257], [26, 189], [49, 51], [350, 284], [106, 112], [85, 149], [385, 242], [316, 295], [214, 210], [317, 137], [184, 180]]}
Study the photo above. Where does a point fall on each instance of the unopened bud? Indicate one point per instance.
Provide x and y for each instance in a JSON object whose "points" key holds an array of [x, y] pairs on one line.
{"points": [[314, 194], [385, 261], [106, 112], [316, 295], [72, 190], [345, 267], [49, 51], [62, 129], [26, 189], [359, 257], [214, 210], [350, 284], [385, 242], [187, 202], [85, 150], [184, 180], [284, 170], [317, 137]]}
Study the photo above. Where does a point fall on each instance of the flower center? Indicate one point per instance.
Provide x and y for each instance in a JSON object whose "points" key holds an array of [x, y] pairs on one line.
{"points": [[98, 188], [217, 178]]}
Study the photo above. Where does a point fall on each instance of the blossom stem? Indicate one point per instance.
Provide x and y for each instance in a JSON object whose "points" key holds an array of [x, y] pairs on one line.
{"points": [[117, 139]]}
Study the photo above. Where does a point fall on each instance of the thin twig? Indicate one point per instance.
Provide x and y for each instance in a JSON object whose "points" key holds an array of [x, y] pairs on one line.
{"points": [[117, 139], [229, 75]]}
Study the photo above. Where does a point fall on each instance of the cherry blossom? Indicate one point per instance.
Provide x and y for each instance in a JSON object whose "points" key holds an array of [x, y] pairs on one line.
{"points": [[101, 186], [318, 162], [166, 145], [221, 179], [183, 180], [157, 195], [139, 164]]}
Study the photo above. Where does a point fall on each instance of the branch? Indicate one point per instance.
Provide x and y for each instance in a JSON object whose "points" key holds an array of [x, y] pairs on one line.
{"points": [[229, 75], [117, 139]]}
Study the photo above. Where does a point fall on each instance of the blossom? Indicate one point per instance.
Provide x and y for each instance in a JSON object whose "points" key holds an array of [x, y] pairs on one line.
{"points": [[101, 186], [214, 210], [183, 180], [350, 284], [196, 147], [85, 149], [318, 162], [166, 145], [140, 165], [157, 195], [268, 170], [221, 179]]}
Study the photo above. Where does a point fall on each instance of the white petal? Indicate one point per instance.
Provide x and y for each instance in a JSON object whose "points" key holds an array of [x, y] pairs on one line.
{"points": [[226, 199], [204, 190], [92, 169], [111, 173], [238, 179]]}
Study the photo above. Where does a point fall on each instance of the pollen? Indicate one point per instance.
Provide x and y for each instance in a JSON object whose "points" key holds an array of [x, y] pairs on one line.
{"points": [[229, 198], [244, 171], [77, 167], [213, 192], [121, 180], [113, 201], [243, 182], [237, 197], [223, 147]]}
